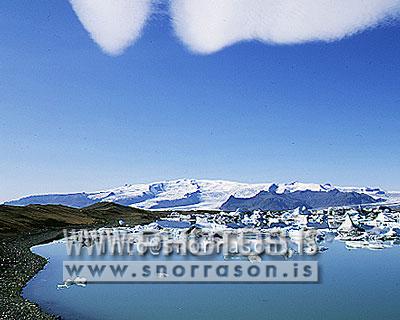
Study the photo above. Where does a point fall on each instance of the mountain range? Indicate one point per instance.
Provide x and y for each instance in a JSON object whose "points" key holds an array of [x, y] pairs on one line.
{"points": [[270, 200], [190, 194]]}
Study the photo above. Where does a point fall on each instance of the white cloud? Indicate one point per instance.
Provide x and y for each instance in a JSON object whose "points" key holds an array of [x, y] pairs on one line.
{"points": [[206, 26], [113, 24]]}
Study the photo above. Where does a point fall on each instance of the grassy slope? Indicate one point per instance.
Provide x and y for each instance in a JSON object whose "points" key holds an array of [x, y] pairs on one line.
{"points": [[32, 218]]}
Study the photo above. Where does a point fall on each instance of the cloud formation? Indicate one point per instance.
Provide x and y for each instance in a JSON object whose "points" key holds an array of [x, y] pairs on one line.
{"points": [[206, 26], [113, 24]]}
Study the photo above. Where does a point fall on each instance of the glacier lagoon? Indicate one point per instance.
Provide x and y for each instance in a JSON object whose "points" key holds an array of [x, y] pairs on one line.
{"points": [[354, 284]]}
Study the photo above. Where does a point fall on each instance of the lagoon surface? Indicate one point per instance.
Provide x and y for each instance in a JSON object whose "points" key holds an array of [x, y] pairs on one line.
{"points": [[354, 284]]}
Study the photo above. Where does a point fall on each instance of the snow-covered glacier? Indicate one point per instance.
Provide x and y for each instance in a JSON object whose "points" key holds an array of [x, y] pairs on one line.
{"points": [[185, 194]]}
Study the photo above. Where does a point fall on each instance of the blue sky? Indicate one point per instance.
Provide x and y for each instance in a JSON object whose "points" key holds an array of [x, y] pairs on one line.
{"points": [[76, 119]]}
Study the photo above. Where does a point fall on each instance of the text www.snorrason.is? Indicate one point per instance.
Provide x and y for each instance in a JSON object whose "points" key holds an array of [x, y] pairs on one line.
{"points": [[191, 271]]}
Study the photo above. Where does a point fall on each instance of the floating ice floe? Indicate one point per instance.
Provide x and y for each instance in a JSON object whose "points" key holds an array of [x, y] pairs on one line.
{"points": [[78, 281], [254, 258]]}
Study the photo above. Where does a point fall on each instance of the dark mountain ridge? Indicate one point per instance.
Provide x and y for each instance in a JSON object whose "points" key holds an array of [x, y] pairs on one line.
{"points": [[270, 200]]}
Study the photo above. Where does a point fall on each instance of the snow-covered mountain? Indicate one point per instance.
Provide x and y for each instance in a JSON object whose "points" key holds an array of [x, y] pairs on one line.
{"points": [[183, 194]]}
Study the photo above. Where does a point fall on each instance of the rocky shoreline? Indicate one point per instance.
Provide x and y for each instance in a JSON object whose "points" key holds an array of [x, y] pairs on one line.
{"points": [[17, 266], [24, 227]]}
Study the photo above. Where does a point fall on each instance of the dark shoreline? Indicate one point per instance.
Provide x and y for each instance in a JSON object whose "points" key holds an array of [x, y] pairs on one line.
{"points": [[18, 265], [24, 227]]}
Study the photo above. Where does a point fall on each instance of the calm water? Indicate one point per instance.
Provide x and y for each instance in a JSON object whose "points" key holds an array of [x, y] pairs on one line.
{"points": [[357, 284]]}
